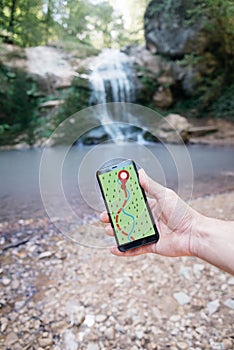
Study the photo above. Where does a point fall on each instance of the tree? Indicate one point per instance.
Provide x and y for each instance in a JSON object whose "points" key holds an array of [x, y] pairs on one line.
{"points": [[11, 25]]}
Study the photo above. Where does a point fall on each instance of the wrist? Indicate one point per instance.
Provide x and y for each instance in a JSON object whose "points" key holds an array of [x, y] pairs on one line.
{"points": [[199, 234]]}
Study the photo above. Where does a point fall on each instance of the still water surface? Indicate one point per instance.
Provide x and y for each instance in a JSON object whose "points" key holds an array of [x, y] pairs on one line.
{"points": [[196, 170]]}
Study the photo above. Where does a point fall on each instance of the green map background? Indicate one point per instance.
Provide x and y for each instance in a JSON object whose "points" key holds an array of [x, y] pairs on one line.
{"points": [[135, 206]]}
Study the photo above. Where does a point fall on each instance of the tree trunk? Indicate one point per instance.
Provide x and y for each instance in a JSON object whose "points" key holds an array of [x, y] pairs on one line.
{"points": [[12, 16], [48, 19]]}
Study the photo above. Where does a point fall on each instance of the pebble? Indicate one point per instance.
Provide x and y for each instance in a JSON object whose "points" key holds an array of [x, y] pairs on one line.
{"points": [[175, 318], [185, 272], [213, 306], [110, 333], [175, 331], [4, 324], [70, 341], [89, 320], [44, 304], [182, 298], [101, 318], [15, 284], [229, 303], [75, 313], [197, 269], [231, 281], [44, 342], [139, 334], [6, 281], [44, 255], [228, 344], [11, 338], [182, 345], [93, 346], [19, 304]]}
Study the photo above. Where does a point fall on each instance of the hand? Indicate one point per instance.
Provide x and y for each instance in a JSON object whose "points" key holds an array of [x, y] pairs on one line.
{"points": [[174, 219]]}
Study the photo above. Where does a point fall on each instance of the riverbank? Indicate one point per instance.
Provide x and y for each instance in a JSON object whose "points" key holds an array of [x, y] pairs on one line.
{"points": [[57, 295], [223, 136]]}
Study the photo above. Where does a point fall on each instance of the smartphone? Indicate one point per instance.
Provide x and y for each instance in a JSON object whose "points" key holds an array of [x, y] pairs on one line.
{"points": [[127, 206]]}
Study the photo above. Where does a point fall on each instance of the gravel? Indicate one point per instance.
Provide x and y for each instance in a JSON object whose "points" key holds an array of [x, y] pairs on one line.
{"points": [[55, 295]]}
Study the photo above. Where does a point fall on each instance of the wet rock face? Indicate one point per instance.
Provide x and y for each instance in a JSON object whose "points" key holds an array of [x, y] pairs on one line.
{"points": [[175, 28]]}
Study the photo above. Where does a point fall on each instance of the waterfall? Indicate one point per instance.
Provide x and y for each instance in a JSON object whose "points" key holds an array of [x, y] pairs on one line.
{"points": [[112, 79]]}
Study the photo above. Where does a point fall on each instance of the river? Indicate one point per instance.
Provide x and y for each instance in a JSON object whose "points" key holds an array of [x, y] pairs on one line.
{"points": [[212, 172]]}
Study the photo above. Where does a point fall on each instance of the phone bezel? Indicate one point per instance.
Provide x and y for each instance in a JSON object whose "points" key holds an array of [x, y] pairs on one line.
{"points": [[139, 242]]}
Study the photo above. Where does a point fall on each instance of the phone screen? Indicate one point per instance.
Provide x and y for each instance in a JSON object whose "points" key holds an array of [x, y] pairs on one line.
{"points": [[126, 203]]}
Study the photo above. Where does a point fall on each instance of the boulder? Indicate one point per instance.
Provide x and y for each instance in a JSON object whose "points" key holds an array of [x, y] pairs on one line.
{"points": [[174, 28], [184, 34], [175, 122], [173, 129]]}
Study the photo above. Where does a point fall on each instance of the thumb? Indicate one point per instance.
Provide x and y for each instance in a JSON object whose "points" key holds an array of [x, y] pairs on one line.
{"points": [[150, 186]]}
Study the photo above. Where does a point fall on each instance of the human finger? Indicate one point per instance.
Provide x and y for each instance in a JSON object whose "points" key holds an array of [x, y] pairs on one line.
{"points": [[150, 186], [104, 217], [109, 230]]}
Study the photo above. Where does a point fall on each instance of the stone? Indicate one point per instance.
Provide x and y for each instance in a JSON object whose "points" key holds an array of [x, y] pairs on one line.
{"points": [[139, 334], [44, 255], [4, 324], [229, 303], [75, 313], [101, 318], [89, 320], [92, 346], [228, 344], [213, 306], [19, 304], [44, 342], [167, 33], [163, 98], [110, 333], [69, 340], [197, 269], [182, 298], [175, 318], [185, 272], [174, 122], [182, 345], [51, 104], [134, 347], [6, 281], [15, 284], [169, 36], [11, 339], [231, 281]]}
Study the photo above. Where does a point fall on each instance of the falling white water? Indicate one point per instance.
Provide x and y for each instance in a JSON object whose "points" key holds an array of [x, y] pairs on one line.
{"points": [[112, 79]]}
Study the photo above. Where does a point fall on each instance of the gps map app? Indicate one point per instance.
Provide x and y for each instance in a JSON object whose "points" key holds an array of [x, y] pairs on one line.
{"points": [[126, 204]]}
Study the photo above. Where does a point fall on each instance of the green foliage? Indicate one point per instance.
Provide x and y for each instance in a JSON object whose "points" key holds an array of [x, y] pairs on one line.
{"points": [[223, 107], [189, 60], [77, 99], [149, 84], [17, 104], [39, 22], [77, 49], [3, 128], [22, 22], [35, 22]]}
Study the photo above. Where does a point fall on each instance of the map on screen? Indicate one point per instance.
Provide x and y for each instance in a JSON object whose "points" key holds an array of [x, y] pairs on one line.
{"points": [[126, 204]]}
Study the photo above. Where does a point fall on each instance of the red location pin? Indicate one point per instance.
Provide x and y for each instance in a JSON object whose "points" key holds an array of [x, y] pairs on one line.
{"points": [[123, 176]]}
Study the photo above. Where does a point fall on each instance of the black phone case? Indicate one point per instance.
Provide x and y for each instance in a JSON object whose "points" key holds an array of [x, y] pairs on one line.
{"points": [[142, 241]]}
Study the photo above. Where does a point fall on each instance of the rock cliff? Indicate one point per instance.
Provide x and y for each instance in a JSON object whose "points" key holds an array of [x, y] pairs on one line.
{"points": [[185, 36]]}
